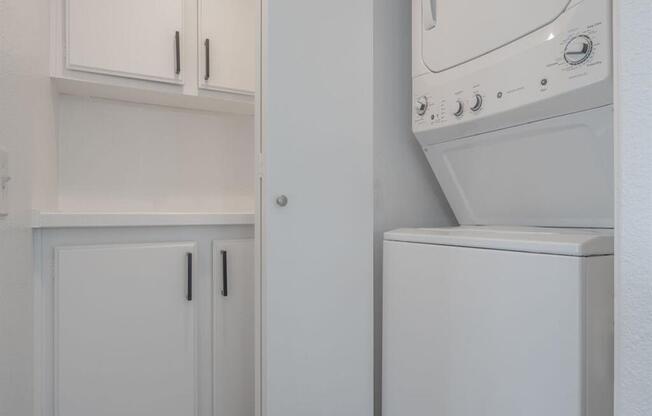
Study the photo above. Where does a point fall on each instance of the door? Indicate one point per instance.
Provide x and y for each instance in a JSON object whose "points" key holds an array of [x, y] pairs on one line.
{"points": [[233, 328], [317, 208], [456, 31], [228, 45], [131, 38], [125, 330]]}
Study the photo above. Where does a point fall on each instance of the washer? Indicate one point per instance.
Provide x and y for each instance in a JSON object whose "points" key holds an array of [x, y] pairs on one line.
{"points": [[498, 321], [505, 315]]}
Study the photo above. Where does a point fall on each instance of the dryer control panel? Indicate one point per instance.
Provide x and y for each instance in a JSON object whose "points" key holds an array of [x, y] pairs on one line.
{"points": [[559, 69]]}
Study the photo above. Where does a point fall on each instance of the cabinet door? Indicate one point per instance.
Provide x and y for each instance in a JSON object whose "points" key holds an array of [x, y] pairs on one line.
{"points": [[317, 243], [233, 328], [132, 38], [228, 45], [124, 330]]}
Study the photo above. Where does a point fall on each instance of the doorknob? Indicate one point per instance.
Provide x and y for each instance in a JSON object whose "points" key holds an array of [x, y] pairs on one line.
{"points": [[282, 201]]}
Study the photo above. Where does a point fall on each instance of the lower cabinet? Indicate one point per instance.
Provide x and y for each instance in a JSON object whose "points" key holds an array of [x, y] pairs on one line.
{"points": [[125, 330], [158, 322], [233, 324]]}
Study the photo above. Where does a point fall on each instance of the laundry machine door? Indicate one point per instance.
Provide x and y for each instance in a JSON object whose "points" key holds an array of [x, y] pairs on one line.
{"points": [[457, 31]]}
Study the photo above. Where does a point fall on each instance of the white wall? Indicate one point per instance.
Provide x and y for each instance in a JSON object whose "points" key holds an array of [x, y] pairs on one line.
{"points": [[118, 156], [406, 192], [633, 31], [26, 127]]}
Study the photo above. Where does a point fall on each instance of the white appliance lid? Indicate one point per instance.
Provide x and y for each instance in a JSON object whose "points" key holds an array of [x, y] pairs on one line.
{"points": [[559, 241], [457, 31]]}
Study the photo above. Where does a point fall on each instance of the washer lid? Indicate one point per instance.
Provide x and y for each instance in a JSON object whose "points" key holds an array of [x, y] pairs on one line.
{"points": [[457, 31], [560, 241]]}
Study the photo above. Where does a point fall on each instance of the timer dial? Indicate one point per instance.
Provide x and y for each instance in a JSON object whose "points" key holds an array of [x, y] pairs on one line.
{"points": [[422, 105], [578, 49]]}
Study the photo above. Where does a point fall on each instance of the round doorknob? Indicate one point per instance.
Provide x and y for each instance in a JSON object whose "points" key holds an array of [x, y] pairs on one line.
{"points": [[282, 200]]}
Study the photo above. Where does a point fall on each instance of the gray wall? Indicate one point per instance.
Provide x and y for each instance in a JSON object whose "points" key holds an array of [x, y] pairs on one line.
{"points": [[634, 207], [405, 189], [26, 127]]}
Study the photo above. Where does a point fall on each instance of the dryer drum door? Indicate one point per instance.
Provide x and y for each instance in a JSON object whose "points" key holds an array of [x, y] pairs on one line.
{"points": [[457, 31]]}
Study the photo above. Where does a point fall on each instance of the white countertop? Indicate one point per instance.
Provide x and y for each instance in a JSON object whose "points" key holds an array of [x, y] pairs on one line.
{"points": [[57, 219], [561, 241]]}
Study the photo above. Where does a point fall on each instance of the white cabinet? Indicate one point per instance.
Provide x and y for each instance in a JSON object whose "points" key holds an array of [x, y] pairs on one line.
{"points": [[131, 38], [233, 328], [228, 44], [125, 330], [196, 54], [116, 332]]}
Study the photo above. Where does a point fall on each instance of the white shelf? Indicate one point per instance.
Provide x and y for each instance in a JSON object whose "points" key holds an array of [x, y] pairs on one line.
{"points": [[44, 219], [222, 102]]}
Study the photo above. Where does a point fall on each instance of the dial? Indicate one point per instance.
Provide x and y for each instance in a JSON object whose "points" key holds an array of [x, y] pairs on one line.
{"points": [[422, 105], [458, 109], [578, 49], [476, 102]]}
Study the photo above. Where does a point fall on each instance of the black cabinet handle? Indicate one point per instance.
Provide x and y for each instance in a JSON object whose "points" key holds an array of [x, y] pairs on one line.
{"points": [[225, 276], [207, 47], [177, 45], [189, 293]]}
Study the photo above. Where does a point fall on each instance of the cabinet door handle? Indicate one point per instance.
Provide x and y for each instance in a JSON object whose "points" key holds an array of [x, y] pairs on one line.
{"points": [[189, 293], [225, 276], [177, 45], [208, 59]]}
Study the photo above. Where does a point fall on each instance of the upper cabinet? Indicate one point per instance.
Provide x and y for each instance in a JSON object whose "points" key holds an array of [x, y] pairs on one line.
{"points": [[195, 54], [132, 38], [227, 37]]}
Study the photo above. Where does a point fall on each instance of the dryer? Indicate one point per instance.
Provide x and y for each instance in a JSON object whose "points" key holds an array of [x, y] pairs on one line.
{"points": [[512, 105]]}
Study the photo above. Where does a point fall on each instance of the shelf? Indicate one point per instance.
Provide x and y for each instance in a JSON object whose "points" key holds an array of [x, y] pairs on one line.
{"points": [[48, 219], [222, 102]]}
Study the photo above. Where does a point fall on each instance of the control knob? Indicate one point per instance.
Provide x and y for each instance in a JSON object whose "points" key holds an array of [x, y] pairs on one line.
{"points": [[422, 105], [458, 109], [476, 102], [578, 49]]}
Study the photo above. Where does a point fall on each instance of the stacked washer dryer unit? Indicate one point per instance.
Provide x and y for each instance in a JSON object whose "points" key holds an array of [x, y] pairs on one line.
{"points": [[511, 313]]}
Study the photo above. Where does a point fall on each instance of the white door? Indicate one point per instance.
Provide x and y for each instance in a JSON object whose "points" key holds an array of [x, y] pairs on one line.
{"points": [[456, 31], [317, 277], [125, 330], [233, 328], [227, 45], [131, 38]]}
